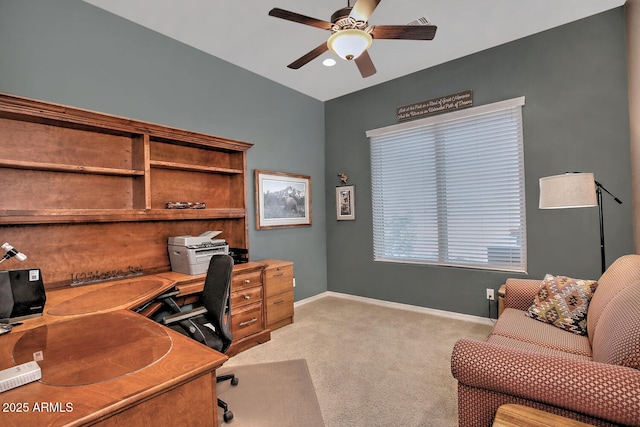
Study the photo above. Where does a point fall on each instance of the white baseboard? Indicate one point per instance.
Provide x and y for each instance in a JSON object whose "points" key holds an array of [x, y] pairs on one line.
{"points": [[397, 305], [313, 298]]}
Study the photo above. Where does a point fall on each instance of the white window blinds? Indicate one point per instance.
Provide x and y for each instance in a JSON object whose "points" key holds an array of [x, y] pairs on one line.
{"points": [[449, 189]]}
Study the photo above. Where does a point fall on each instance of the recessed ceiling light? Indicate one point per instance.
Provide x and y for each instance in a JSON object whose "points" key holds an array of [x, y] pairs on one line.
{"points": [[329, 62]]}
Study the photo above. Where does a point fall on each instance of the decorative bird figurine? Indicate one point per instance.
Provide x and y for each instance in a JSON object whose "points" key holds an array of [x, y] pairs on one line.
{"points": [[343, 177]]}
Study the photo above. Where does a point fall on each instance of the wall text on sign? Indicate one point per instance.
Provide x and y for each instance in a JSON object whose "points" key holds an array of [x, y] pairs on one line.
{"points": [[436, 105]]}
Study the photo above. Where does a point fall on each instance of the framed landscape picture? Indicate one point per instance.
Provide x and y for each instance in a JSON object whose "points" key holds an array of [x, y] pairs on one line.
{"points": [[282, 199], [345, 203]]}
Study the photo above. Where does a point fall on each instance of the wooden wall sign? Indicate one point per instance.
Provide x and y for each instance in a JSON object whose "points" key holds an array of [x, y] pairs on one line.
{"points": [[436, 106]]}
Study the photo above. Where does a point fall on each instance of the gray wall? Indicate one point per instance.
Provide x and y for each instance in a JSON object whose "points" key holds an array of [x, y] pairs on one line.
{"points": [[70, 52], [575, 119]]}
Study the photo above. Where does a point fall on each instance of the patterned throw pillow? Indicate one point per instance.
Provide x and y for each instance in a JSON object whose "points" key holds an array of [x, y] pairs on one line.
{"points": [[563, 302]]}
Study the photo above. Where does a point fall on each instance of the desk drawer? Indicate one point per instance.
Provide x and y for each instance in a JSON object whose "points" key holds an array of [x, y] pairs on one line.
{"points": [[242, 281], [278, 280], [279, 307], [246, 320], [246, 296]]}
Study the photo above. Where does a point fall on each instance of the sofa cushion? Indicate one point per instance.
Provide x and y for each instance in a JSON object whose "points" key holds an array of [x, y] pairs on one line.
{"points": [[535, 348], [625, 271], [515, 324], [617, 336], [563, 302]]}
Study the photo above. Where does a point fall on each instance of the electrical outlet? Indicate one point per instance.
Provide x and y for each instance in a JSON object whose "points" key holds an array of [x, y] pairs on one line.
{"points": [[490, 295]]}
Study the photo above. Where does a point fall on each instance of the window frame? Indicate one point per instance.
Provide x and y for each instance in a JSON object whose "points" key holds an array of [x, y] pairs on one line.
{"points": [[515, 105]]}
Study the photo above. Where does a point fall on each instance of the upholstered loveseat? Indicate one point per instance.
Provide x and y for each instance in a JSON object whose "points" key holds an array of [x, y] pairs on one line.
{"points": [[593, 378]]}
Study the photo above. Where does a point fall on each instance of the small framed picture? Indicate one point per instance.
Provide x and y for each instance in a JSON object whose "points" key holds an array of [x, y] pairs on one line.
{"points": [[282, 199], [346, 203]]}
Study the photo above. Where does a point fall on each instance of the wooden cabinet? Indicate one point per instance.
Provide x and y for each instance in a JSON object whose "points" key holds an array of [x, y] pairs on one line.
{"points": [[247, 308], [278, 285], [88, 190]]}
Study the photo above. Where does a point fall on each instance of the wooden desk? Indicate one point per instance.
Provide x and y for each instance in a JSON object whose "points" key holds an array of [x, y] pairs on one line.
{"points": [[109, 367], [511, 415]]}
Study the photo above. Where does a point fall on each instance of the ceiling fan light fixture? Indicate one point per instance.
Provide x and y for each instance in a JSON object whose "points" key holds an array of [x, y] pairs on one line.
{"points": [[349, 43]]}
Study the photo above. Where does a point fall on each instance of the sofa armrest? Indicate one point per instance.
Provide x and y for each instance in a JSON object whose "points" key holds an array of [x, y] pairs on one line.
{"points": [[599, 390], [520, 293]]}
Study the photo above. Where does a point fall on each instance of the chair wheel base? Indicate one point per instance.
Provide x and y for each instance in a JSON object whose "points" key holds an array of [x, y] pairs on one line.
{"points": [[234, 381], [227, 416]]}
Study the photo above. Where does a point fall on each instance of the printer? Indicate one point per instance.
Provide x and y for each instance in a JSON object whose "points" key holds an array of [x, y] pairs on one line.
{"points": [[191, 254]]}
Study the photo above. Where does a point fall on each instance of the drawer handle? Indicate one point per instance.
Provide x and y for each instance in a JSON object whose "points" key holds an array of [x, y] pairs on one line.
{"points": [[280, 301], [278, 275], [248, 322], [247, 281], [247, 297]]}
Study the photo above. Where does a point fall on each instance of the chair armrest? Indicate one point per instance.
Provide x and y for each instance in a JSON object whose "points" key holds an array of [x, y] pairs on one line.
{"points": [[183, 315], [520, 293], [171, 293], [599, 390]]}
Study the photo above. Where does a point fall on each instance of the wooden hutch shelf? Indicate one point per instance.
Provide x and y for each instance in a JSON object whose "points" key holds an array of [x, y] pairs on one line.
{"points": [[98, 184], [61, 216], [180, 166], [16, 164]]}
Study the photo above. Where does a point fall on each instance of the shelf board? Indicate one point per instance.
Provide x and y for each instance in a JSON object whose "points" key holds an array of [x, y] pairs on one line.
{"points": [[58, 167], [196, 168], [69, 216]]}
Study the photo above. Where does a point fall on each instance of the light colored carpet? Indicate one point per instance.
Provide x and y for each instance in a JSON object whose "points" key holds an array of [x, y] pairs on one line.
{"points": [[372, 365], [271, 394]]}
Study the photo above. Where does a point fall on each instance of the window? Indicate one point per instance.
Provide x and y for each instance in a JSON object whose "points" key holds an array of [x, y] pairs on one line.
{"points": [[449, 189]]}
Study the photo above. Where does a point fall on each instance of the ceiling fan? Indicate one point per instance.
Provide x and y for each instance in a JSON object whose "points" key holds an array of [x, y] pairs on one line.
{"points": [[351, 34]]}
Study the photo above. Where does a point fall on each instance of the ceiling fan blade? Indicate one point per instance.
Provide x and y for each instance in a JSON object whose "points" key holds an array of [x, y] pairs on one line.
{"points": [[404, 32], [301, 19], [365, 64], [309, 56], [363, 9]]}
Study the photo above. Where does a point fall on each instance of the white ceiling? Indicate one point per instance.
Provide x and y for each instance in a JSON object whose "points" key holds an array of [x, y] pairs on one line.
{"points": [[242, 33]]}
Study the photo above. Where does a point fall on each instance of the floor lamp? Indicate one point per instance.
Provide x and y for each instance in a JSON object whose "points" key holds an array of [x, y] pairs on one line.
{"points": [[574, 190]]}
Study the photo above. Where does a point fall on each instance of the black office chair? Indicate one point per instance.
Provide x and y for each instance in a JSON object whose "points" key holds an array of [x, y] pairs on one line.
{"points": [[211, 323]]}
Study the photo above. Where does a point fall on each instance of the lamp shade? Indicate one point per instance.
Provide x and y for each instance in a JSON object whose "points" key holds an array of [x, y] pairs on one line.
{"points": [[350, 43], [571, 190]]}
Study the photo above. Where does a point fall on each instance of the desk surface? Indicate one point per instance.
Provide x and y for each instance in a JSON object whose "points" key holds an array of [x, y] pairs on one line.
{"points": [[66, 303], [105, 346], [94, 377], [101, 362], [511, 415]]}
